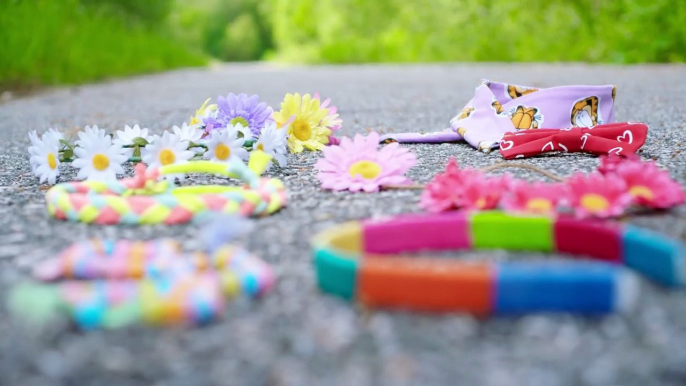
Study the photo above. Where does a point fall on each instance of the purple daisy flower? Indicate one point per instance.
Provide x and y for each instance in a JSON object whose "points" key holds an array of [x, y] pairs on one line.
{"points": [[241, 108]]}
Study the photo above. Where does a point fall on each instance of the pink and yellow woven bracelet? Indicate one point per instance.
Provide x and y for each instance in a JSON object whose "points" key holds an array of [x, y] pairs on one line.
{"points": [[143, 200]]}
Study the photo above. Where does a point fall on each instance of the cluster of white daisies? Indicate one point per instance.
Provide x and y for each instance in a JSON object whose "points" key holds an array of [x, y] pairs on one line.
{"points": [[99, 156]]}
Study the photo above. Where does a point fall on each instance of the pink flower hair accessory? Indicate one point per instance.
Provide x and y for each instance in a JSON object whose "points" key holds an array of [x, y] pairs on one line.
{"points": [[610, 163], [534, 197], [647, 184], [618, 184], [359, 165], [596, 195], [463, 188]]}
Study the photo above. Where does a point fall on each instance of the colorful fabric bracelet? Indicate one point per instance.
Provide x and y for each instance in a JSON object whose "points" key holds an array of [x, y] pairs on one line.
{"points": [[356, 261], [143, 200], [150, 281]]}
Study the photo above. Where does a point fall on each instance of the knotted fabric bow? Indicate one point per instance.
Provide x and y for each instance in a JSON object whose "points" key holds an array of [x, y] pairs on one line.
{"points": [[615, 138]]}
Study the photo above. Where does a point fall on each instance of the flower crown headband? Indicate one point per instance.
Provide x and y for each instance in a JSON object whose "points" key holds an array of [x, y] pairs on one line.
{"points": [[144, 200], [219, 132]]}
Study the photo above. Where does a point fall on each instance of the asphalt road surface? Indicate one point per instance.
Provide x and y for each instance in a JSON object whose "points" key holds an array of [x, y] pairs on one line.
{"points": [[297, 335]]}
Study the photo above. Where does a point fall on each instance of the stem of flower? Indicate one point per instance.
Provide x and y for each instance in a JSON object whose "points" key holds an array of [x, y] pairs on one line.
{"points": [[536, 169], [403, 187]]}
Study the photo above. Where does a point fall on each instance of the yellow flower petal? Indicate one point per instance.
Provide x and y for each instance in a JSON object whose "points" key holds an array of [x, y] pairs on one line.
{"points": [[308, 114]]}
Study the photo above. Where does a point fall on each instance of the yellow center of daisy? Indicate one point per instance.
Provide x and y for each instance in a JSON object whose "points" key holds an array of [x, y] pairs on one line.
{"points": [[594, 202], [101, 162], [302, 130], [194, 121], [641, 192], [539, 205], [222, 152], [260, 146], [367, 169], [240, 120], [167, 157], [52, 161]]}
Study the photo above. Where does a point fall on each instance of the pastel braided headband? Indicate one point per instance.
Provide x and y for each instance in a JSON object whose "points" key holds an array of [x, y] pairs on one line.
{"points": [[356, 261], [111, 284], [143, 200]]}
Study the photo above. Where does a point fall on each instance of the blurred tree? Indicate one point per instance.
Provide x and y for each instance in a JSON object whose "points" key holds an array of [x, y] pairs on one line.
{"points": [[234, 30], [148, 11], [623, 31]]}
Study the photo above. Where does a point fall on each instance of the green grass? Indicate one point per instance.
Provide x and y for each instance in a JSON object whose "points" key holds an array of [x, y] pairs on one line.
{"points": [[46, 42]]}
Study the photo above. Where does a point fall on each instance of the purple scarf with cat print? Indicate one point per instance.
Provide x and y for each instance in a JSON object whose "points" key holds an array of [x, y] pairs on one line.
{"points": [[498, 108]]}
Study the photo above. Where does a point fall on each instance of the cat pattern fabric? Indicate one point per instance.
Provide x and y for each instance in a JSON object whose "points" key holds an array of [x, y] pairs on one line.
{"points": [[498, 108]]}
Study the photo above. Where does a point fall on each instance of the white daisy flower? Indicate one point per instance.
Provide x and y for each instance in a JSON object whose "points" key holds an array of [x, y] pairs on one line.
{"points": [[188, 133], [51, 136], [225, 145], [273, 141], [125, 137], [90, 135], [243, 132], [45, 159], [191, 134], [96, 157], [33, 149], [168, 149]]}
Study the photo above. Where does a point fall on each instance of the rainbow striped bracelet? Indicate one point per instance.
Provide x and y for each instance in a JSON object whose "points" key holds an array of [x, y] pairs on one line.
{"points": [[143, 200], [111, 284], [357, 261]]}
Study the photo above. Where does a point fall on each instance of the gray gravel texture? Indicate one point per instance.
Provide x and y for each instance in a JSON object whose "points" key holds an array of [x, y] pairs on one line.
{"points": [[297, 335]]}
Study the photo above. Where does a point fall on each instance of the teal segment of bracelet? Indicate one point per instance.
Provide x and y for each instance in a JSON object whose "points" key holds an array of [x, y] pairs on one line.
{"points": [[360, 261]]}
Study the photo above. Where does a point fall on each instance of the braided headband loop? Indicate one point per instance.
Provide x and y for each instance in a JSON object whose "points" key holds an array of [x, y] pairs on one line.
{"points": [[144, 200]]}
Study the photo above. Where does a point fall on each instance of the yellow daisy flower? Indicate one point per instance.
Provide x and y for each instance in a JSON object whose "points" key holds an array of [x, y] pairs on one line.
{"points": [[303, 117], [205, 110]]}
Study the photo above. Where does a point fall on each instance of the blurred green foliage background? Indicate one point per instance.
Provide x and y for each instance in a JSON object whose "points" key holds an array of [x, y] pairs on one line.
{"points": [[71, 41]]}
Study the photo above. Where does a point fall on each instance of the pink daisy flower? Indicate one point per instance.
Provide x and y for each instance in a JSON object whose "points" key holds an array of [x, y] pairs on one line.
{"points": [[483, 193], [444, 192], [596, 195], [650, 186], [462, 188], [537, 197], [609, 163], [332, 121], [359, 164]]}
